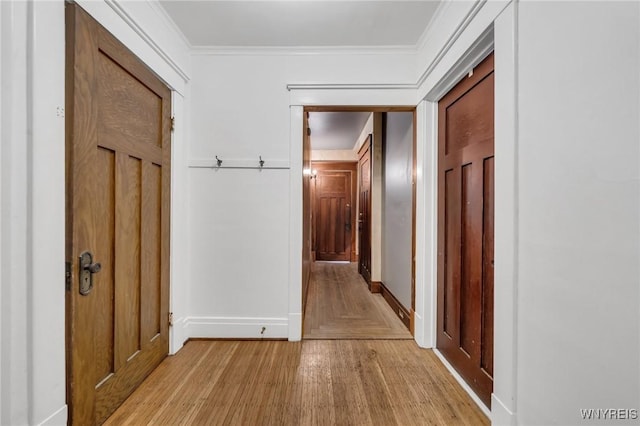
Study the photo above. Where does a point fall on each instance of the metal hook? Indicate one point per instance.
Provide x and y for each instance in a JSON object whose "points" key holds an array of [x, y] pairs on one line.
{"points": [[261, 162], [218, 161]]}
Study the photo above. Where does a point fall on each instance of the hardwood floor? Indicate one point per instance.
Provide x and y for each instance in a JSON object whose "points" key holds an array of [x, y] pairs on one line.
{"points": [[368, 372], [314, 382], [340, 306]]}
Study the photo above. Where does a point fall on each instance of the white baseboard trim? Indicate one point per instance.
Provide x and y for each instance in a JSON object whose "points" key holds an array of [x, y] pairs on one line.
{"points": [[419, 331], [464, 384], [237, 327], [295, 327], [500, 414], [59, 418]]}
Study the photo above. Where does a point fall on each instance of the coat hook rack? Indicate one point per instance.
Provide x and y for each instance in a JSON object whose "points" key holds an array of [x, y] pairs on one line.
{"points": [[218, 161], [261, 162]]}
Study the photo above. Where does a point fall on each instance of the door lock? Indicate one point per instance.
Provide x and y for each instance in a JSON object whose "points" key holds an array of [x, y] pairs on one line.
{"points": [[87, 269]]}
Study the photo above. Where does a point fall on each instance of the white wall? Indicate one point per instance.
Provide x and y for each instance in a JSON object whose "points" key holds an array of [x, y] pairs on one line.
{"points": [[240, 223], [579, 209], [397, 205], [32, 296]]}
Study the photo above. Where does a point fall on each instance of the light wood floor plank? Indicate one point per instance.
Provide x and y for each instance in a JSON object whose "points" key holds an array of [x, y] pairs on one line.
{"points": [[340, 306]]}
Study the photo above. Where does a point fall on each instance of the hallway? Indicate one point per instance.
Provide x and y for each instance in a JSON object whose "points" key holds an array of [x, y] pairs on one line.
{"points": [[340, 306]]}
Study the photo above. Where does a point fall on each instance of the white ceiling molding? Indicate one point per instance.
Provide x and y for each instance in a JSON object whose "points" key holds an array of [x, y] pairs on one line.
{"points": [[451, 40], [301, 50], [155, 5], [120, 10], [477, 52]]}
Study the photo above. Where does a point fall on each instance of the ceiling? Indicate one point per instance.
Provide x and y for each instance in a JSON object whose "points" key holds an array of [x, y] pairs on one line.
{"points": [[336, 130], [301, 23]]}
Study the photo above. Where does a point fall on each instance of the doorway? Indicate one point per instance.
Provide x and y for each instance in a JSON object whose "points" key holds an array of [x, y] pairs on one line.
{"points": [[118, 201], [331, 213]]}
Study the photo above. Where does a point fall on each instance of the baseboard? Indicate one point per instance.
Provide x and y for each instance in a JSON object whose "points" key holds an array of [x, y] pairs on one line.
{"points": [[236, 327], [462, 383], [59, 418], [400, 311], [500, 414], [375, 286]]}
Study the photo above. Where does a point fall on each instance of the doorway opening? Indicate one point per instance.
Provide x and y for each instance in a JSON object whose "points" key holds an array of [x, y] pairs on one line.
{"points": [[359, 168]]}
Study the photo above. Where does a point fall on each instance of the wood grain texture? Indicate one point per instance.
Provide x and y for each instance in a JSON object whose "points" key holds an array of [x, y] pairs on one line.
{"points": [[351, 167], [314, 382], [340, 306], [364, 206], [118, 189], [465, 228]]}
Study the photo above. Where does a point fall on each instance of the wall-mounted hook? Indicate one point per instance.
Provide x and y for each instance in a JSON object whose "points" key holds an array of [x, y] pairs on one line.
{"points": [[218, 161], [261, 162]]}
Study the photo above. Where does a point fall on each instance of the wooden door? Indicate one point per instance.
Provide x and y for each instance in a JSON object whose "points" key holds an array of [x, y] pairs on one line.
{"points": [[333, 210], [465, 228], [118, 174], [364, 206]]}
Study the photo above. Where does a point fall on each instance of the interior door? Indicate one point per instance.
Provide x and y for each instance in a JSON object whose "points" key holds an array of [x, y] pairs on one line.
{"points": [[333, 215], [364, 206], [118, 174], [465, 228]]}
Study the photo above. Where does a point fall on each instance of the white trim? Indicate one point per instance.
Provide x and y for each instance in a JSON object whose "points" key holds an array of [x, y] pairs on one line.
{"points": [[131, 22], [479, 50], [348, 86], [462, 383], [178, 335], [295, 221], [451, 40], [428, 30], [346, 96], [427, 214], [295, 327], [500, 414], [300, 50], [236, 327], [59, 418], [155, 5], [506, 250]]}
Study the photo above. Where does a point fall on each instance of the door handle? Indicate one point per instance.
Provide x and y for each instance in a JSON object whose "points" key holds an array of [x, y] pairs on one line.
{"points": [[87, 269]]}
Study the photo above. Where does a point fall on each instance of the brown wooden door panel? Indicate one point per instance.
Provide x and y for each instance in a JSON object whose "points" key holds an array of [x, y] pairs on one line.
{"points": [[364, 215], [118, 175], [333, 215], [465, 228]]}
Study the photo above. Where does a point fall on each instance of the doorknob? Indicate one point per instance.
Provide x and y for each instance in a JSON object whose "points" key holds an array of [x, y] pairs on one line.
{"points": [[87, 269]]}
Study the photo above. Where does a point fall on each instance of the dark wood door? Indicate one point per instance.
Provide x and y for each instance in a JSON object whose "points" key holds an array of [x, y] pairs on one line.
{"points": [[118, 175], [364, 206], [333, 209], [465, 228]]}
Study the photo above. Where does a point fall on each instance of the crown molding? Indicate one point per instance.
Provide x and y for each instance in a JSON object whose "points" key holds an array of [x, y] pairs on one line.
{"points": [[477, 6], [162, 12], [301, 50], [428, 30], [133, 24]]}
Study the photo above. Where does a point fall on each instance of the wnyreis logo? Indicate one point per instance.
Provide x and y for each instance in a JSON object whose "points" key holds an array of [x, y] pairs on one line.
{"points": [[609, 413]]}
